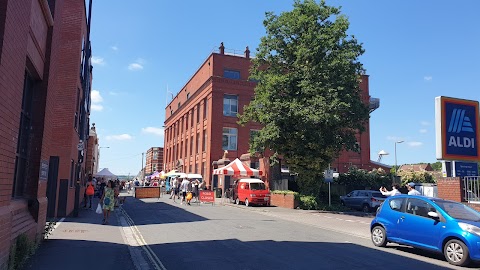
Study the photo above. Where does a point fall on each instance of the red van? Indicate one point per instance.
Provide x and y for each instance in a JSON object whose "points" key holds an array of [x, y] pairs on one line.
{"points": [[251, 191]]}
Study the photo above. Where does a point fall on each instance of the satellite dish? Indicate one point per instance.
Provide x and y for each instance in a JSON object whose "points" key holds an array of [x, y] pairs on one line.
{"points": [[381, 154]]}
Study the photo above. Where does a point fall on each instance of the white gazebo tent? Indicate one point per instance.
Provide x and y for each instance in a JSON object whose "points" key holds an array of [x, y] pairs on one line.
{"points": [[105, 173]]}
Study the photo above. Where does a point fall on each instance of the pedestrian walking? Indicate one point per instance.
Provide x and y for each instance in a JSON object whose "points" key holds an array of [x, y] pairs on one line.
{"points": [[108, 199], [89, 192], [184, 186], [174, 191]]}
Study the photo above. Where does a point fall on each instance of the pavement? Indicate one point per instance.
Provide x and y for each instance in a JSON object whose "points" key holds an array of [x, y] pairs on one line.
{"points": [[83, 242]]}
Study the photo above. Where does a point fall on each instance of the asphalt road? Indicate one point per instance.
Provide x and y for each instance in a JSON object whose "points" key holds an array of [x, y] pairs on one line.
{"points": [[233, 237]]}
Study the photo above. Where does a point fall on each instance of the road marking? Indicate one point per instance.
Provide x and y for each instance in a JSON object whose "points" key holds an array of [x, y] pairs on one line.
{"points": [[140, 241]]}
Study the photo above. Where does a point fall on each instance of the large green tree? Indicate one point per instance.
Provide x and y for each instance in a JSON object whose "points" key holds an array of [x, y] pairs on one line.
{"points": [[308, 95]]}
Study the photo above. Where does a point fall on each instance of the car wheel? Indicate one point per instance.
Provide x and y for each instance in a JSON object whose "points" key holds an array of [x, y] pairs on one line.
{"points": [[366, 208], [379, 237], [237, 201], [456, 252], [246, 203]]}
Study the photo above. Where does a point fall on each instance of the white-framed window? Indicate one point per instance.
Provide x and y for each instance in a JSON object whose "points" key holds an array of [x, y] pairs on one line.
{"points": [[155, 154], [229, 139], [230, 105]]}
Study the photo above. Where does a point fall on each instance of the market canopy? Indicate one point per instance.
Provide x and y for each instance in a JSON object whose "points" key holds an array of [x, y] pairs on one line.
{"points": [[105, 173], [237, 168], [157, 175], [170, 173]]}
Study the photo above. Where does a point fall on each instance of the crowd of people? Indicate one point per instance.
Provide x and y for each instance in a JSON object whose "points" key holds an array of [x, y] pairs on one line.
{"points": [[189, 189], [105, 189]]}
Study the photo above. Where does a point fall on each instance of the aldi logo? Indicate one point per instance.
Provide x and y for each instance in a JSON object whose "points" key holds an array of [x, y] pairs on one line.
{"points": [[460, 122], [457, 129]]}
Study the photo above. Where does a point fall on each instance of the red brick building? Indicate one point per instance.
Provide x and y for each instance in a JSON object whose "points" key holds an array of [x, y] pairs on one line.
{"points": [[201, 120], [44, 113], [154, 160]]}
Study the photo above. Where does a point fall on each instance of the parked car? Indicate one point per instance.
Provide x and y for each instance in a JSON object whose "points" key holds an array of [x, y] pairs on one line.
{"points": [[365, 200], [434, 224], [251, 191]]}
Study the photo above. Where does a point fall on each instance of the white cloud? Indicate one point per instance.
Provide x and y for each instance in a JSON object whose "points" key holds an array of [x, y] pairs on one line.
{"points": [[96, 97], [115, 48], [414, 144], [135, 66], [425, 123], [427, 78], [96, 107], [98, 61], [113, 93], [153, 130], [121, 137], [423, 130]]}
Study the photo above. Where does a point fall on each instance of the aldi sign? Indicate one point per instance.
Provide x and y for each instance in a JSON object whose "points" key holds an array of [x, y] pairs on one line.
{"points": [[457, 129]]}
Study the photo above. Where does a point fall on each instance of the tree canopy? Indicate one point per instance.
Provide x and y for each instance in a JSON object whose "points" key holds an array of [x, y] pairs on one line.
{"points": [[308, 96]]}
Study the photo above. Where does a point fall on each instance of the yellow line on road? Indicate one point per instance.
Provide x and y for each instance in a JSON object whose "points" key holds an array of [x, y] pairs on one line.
{"points": [[151, 255]]}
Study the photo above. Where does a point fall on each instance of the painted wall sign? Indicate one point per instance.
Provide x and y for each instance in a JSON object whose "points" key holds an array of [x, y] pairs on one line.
{"points": [[43, 170], [457, 129]]}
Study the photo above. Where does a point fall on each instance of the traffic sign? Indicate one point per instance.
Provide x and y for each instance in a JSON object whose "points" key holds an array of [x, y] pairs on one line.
{"points": [[328, 176]]}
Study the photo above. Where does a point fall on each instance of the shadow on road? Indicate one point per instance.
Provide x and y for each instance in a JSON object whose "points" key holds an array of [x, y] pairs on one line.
{"points": [[236, 254], [157, 212], [223, 254]]}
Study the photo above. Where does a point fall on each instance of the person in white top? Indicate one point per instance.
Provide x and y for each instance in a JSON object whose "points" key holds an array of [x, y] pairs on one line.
{"points": [[393, 192], [173, 188], [184, 186], [412, 190]]}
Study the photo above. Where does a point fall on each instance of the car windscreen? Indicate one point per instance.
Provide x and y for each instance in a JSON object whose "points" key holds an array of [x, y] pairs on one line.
{"points": [[257, 186], [378, 195], [459, 210]]}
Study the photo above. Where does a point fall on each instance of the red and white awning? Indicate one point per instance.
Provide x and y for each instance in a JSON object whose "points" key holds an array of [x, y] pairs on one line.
{"points": [[237, 168]]}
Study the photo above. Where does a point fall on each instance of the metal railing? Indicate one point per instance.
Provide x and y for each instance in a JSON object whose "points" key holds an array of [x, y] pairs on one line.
{"points": [[471, 188]]}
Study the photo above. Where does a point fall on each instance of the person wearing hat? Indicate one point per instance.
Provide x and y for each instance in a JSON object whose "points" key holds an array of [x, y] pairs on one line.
{"points": [[412, 190]]}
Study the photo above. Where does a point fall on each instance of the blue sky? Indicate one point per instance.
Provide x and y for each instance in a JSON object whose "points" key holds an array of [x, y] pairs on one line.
{"points": [[414, 51]]}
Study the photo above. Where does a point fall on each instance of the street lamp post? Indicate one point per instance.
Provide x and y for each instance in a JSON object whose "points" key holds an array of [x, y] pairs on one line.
{"points": [[396, 158]]}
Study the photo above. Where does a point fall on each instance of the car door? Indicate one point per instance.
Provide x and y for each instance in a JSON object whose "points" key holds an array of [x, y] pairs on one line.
{"points": [[392, 215], [349, 199], [417, 228], [360, 199]]}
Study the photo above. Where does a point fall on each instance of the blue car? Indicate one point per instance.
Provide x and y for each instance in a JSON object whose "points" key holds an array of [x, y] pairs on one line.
{"points": [[434, 224]]}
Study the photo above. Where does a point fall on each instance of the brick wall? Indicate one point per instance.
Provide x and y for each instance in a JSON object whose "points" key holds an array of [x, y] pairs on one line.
{"points": [[24, 32], [450, 188], [62, 140], [284, 201]]}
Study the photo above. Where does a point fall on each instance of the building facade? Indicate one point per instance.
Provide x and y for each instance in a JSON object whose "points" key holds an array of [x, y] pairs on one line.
{"points": [[93, 154], [45, 78], [154, 160], [201, 120]]}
